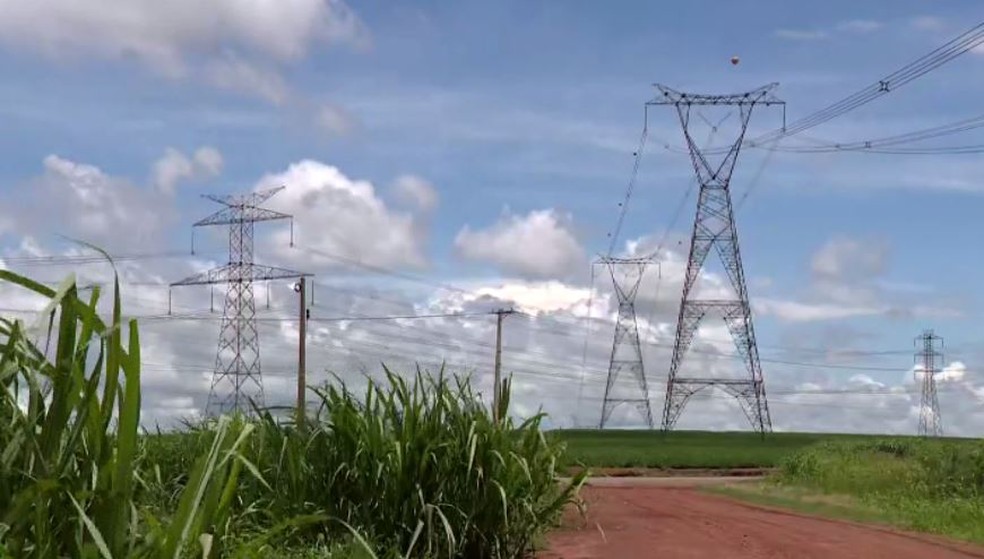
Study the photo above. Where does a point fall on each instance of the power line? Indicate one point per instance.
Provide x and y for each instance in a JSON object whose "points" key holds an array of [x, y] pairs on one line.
{"points": [[877, 145], [355, 318], [934, 59], [961, 44], [624, 205], [64, 260]]}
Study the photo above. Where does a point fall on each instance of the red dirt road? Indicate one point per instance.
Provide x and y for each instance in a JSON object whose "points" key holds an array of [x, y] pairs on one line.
{"points": [[670, 523]]}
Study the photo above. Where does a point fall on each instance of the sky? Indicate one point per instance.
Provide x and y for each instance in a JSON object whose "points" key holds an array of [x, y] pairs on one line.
{"points": [[460, 157]]}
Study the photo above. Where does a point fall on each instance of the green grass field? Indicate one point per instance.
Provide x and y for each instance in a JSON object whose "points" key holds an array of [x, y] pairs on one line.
{"points": [[934, 486], [687, 449]]}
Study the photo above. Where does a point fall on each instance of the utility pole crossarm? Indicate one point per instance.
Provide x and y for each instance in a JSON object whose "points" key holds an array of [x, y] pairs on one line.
{"points": [[230, 273]]}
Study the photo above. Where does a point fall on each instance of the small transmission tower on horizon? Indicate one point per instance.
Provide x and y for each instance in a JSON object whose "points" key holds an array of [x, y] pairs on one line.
{"points": [[237, 378], [626, 357], [930, 422], [714, 228]]}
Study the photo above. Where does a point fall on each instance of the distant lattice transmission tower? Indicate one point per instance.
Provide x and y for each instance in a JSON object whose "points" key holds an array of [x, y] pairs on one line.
{"points": [[930, 423], [714, 229], [626, 357], [237, 379]]}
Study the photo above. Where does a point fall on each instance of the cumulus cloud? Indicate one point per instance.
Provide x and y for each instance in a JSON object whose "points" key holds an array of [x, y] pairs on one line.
{"points": [[83, 201], [413, 190], [849, 258], [224, 43], [337, 216], [86, 202], [558, 358], [166, 35], [174, 167], [235, 73], [333, 119], [540, 244], [847, 279]]}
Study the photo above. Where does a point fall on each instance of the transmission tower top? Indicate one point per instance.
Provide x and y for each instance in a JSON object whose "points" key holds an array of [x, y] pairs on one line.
{"points": [[759, 96]]}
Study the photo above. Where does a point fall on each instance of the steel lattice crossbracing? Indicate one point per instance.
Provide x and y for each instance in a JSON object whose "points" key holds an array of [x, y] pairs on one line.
{"points": [[237, 381], [930, 422], [626, 355], [714, 228]]}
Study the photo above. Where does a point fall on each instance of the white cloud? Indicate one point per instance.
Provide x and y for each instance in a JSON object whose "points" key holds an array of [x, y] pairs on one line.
{"points": [[540, 244], [533, 298], [847, 281], [209, 160], [954, 372], [174, 167], [544, 352], [794, 311], [334, 119], [855, 26], [339, 216], [846, 258], [234, 73], [228, 44], [414, 190], [85, 201], [166, 35]]}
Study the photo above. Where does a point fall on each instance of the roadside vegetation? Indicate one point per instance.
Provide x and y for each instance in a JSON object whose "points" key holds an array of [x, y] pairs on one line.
{"points": [[684, 449], [927, 485], [405, 468]]}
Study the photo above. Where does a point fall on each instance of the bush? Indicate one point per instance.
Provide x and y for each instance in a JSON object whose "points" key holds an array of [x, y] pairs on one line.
{"points": [[925, 484], [418, 467]]}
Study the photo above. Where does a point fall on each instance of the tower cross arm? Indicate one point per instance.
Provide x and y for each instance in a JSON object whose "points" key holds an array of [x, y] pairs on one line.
{"points": [[759, 96], [239, 272], [240, 200], [235, 214]]}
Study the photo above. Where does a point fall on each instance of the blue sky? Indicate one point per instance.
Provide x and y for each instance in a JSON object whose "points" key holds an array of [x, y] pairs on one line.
{"points": [[530, 107]]}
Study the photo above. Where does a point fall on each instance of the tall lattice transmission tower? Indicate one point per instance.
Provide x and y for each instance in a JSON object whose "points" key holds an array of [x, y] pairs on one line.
{"points": [[930, 423], [626, 357], [714, 228], [237, 378]]}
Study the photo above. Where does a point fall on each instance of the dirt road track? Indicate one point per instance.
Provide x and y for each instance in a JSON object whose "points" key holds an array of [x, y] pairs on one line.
{"points": [[673, 522]]}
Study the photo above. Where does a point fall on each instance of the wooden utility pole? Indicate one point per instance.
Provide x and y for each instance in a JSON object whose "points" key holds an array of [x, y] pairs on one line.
{"points": [[497, 390], [300, 287]]}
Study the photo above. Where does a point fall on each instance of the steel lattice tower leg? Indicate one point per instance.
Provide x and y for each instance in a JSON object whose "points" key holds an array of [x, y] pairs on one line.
{"points": [[930, 422], [714, 229], [626, 355], [237, 378]]}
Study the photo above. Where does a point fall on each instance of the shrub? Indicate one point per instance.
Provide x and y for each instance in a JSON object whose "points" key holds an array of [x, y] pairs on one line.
{"points": [[419, 467]]}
